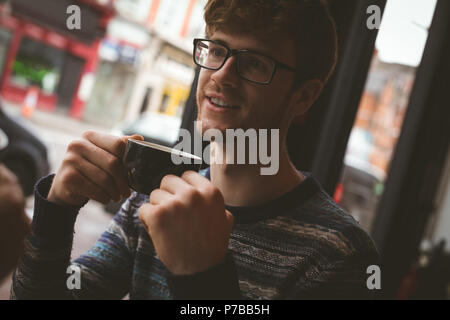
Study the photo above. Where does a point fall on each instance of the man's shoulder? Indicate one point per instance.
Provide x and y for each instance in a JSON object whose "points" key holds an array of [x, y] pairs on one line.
{"points": [[322, 224]]}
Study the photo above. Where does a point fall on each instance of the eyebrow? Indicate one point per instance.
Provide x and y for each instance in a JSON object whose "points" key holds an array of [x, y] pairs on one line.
{"points": [[256, 50]]}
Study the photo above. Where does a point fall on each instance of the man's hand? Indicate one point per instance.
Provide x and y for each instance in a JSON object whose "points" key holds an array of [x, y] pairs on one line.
{"points": [[188, 224], [92, 169]]}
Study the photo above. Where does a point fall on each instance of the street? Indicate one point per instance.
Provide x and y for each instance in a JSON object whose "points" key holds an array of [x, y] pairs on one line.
{"points": [[56, 131]]}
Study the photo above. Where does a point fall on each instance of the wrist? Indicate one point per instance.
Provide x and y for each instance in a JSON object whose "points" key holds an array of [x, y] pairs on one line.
{"points": [[54, 198], [51, 221], [217, 282]]}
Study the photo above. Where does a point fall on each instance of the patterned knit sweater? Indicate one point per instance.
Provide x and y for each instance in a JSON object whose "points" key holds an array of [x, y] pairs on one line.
{"points": [[299, 246]]}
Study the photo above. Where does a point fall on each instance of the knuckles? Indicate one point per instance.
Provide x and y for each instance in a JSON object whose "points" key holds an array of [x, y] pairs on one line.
{"points": [[192, 196], [165, 179], [213, 194], [71, 159], [195, 198], [183, 202], [119, 145], [70, 176], [88, 134], [76, 146], [113, 164], [150, 215], [176, 205]]}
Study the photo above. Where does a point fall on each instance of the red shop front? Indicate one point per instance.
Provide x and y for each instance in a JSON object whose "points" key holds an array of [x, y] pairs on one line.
{"points": [[50, 58]]}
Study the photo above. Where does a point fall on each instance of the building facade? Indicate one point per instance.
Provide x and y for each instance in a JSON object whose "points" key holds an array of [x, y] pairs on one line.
{"points": [[37, 50], [159, 79]]}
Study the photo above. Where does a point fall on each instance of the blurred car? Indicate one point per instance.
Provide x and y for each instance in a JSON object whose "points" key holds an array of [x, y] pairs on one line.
{"points": [[359, 189], [154, 127], [25, 155]]}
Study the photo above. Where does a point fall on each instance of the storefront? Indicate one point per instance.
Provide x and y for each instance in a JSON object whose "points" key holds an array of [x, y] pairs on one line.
{"points": [[159, 97], [38, 51], [114, 81], [176, 68]]}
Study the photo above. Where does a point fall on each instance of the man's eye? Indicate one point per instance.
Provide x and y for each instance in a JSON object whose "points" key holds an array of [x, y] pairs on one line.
{"points": [[256, 64], [217, 52]]}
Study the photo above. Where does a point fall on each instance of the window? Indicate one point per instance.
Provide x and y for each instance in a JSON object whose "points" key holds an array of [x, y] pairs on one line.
{"points": [[399, 48], [38, 65]]}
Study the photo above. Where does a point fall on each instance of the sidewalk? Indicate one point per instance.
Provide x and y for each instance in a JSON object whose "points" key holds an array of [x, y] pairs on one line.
{"points": [[53, 120]]}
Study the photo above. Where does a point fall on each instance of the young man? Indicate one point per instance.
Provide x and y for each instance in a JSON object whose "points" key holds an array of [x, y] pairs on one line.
{"points": [[227, 232]]}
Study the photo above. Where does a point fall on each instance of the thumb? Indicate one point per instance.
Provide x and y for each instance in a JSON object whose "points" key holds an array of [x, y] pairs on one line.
{"points": [[134, 136]]}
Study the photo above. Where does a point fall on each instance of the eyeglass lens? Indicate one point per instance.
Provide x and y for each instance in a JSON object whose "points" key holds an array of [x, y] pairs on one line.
{"points": [[251, 66]]}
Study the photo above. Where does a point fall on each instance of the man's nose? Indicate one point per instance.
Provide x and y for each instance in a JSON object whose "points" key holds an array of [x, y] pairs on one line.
{"points": [[227, 75]]}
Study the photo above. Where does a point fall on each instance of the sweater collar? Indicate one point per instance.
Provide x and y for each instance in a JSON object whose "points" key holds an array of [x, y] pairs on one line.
{"points": [[276, 207]]}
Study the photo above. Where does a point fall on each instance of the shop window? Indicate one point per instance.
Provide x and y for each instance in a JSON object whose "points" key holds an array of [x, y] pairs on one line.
{"points": [[399, 48], [112, 90], [37, 64]]}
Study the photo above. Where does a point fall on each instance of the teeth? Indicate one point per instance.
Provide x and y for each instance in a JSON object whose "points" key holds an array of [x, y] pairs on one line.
{"points": [[220, 103]]}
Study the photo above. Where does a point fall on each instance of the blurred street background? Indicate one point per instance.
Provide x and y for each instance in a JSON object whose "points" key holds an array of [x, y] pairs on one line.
{"points": [[59, 83], [56, 132], [129, 69]]}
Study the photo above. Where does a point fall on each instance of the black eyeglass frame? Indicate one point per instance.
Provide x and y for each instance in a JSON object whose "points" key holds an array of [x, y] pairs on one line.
{"points": [[235, 52]]}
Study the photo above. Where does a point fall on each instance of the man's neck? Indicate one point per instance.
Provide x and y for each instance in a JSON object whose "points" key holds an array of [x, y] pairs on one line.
{"points": [[243, 185]]}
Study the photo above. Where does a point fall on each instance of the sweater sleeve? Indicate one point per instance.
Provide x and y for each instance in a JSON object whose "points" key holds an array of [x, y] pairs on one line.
{"points": [[217, 283], [45, 270]]}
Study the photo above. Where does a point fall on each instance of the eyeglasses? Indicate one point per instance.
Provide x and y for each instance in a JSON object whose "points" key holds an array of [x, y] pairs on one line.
{"points": [[251, 66]]}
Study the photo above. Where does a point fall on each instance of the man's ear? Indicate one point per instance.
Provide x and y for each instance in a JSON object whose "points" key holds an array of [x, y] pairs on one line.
{"points": [[304, 97]]}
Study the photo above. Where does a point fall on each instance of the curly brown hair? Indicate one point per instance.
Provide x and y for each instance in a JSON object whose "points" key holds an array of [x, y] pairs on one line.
{"points": [[308, 22]]}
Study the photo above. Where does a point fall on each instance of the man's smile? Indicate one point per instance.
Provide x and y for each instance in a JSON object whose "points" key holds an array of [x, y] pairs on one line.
{"points": [[218, 103]]}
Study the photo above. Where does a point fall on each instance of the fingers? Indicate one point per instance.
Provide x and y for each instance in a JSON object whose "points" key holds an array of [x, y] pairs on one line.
{"points": [[195, 179], [113, 165], [174, 184], [95, 175], [79, 184], [107, 142], [145, 212], [199, 182], [159, 196], [92, 169], [134, 136], [105, 161]]}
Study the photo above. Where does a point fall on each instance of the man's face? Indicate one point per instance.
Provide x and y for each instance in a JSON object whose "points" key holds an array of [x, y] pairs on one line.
{"points": [[255, 106]]}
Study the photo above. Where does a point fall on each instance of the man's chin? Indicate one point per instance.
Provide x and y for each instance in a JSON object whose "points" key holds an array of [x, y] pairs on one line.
{"points": [[206, 124]]}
